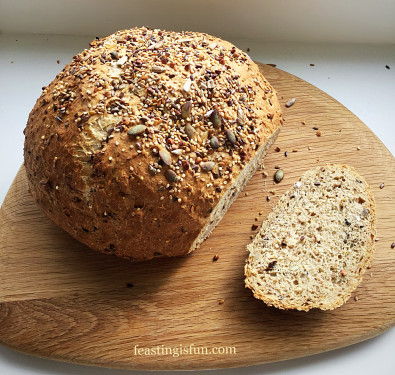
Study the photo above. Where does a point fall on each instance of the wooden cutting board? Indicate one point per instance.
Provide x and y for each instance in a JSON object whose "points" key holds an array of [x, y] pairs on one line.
{"points": [[61, 300]]}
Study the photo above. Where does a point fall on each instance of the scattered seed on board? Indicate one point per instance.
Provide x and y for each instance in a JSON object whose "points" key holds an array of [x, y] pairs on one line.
{"points": [[221, 302], [318, 133], [356, 298], [254, 227], [290, 103], [382, 185], [215, 257], [278, 176], [393, 245]]}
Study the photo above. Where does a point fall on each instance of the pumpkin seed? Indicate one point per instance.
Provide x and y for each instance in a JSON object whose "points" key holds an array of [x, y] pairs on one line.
{"points": [[278, 176], [231, 136], [215, 118], [137, 130], [114, 55], [190, 131], [214, 143], [207, 166], [171, 175], [186, 109], [165, 156]]}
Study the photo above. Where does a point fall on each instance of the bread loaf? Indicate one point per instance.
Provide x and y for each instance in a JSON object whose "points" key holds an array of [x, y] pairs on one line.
{"points": [[140, 145], [316, 244]]}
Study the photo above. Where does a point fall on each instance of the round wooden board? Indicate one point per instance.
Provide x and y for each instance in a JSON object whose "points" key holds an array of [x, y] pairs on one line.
{"points": [[63, 301]]}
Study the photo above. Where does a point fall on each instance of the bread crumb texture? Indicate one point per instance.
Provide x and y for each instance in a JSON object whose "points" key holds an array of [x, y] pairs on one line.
{"points": [[142, 134], [316, 244]]}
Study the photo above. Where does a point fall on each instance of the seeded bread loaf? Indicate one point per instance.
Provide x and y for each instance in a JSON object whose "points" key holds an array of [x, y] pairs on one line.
{"points": [[316, 244], [140, 144]]}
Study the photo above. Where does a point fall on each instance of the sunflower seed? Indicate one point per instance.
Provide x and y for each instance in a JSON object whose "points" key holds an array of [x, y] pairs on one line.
{"points": [[185, 40], [165, 156], [171, 175], [156, 45], [137, 130], [177, 151], [215, 118], [290, 103], [190, 131], [230, 136], [207, 166], [240, 120], [151, 169], [214, 143], [187, 85], [158, 69], [208, 114], [186, 109], [122, 60], [210, 84]]}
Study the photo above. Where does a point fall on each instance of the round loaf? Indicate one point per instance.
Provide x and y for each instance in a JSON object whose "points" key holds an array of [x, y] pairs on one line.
{"points": [[140, 144]]}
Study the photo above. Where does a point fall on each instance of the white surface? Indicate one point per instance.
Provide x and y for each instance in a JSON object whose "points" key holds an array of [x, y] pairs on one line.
{"points": [[354, 74], [368, 21]]}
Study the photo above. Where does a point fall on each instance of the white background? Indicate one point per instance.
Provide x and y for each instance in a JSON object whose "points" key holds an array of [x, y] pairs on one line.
{"points": [[350, 42]]}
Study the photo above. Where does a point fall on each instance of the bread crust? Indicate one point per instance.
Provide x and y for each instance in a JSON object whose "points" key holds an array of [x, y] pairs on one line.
{"points": [[149, 194], [251, 279]]}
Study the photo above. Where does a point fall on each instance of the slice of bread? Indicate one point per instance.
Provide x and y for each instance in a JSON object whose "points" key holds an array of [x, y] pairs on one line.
{"points": [[316, 244]]}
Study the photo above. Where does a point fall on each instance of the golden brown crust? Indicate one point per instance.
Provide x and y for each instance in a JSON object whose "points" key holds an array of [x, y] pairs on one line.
{"points": [[108, 148]]}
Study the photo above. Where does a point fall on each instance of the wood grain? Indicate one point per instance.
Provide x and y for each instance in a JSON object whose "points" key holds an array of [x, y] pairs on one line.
{"points": [[60, 300]]}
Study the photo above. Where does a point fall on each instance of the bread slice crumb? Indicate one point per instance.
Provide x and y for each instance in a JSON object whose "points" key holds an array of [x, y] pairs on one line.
{"points": [[316, 244]]}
